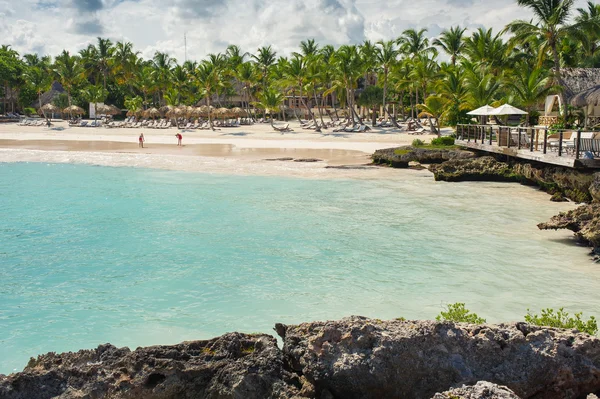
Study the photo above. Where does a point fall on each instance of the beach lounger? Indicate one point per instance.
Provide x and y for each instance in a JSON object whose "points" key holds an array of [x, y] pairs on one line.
{"points": [[285, 128]]}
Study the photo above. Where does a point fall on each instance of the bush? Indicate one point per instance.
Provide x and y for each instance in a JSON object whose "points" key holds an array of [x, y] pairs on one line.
{"points": [[29, 111], [418, 143], [443, 141], [561, 319], [456, 312]]}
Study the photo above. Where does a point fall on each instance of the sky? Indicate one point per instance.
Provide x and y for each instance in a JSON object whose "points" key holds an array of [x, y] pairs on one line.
{"points": [[49, 26]]}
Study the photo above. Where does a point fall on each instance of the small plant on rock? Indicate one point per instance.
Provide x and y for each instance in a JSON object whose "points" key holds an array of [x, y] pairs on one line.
{"points": [[458, 313], [418, 143], [443, 141], [561, 319]]}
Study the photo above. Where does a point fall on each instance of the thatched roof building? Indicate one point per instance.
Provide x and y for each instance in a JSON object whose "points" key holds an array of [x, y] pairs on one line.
{"points": [[50, 95], [578, 80]]}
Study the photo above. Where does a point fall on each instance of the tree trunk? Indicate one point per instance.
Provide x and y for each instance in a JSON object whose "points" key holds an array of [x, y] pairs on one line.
{"points": [[40, 102], [385, 75], [374, 119], [559, 79], [294, 107], [318, 107], [210, 124]]}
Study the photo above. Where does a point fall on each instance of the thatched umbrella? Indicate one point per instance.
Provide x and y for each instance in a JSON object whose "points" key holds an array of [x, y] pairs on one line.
{"points": [[223, 112], [205, 109], [151, 113], [197, 112], [114, 110], [74, 109], [166, 109], [104, 109], [50, 108], [587, 99], [134, 112], [237, 111]]}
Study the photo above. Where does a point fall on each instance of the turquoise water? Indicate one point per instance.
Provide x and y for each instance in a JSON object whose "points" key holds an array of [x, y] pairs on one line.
{"points": [[134, 257]]}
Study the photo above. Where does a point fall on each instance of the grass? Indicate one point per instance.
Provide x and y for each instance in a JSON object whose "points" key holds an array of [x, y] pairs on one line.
{"points": [[429, 147]]}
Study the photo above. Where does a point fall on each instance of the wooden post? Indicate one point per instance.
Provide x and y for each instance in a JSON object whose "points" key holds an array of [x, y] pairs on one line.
{"points": [[532, 138], [491, 133], [507, 137], [545, 139], [519, 139], [560, 138], [578, 144], [469, 133]]}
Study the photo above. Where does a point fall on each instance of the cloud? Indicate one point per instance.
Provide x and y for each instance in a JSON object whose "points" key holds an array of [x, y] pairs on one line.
{"points": [[159, 25]]}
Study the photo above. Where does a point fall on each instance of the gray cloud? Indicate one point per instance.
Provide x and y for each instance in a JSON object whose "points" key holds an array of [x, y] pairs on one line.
{"points": [[91, 27], [85, 6]]}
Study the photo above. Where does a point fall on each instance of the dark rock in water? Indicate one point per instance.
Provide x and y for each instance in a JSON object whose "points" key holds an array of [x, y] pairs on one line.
{"points": [[400, 157], [481, 390], [350, 358], [478, 169], [594, 188], [280, 159], [351, 167], [570, 183], [308, 160], [583, 221], [559, 197], [363, 358], [232, 366]]}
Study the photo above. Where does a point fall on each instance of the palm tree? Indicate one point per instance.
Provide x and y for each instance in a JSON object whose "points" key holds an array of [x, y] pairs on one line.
{"points": [[104, 55], [590, 45], [349, 67], [94, 94], [434, 106], [452, 89], [208, 79], [368, 53], [370, 98], [68, 71], [387, 55], [162, 63], [487, 49], [265, 58], [308, 48], [451, 42], [552, 25], [247, 76], [145, 82], [124, 63], [270, 100], [529, 85], [40, 80], [415, 43]]}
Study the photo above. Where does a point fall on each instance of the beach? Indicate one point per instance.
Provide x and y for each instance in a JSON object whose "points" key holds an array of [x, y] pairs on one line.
{"points": [[253, 149]]}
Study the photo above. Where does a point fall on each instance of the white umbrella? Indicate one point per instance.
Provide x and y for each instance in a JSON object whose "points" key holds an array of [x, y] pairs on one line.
{"points": [[508, 109], [482, 111]]}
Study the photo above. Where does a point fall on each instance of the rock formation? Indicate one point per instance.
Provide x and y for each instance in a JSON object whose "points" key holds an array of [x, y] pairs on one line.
{"points": [[583, 221], [400, 157], [363, 358], [354, 357], [481, 390]]}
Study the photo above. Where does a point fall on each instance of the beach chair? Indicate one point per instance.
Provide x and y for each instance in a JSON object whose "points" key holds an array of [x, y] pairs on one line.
{"points": [[285, 128]]}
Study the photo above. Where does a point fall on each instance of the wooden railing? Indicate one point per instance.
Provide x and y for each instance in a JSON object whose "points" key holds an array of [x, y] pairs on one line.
{"points": [[563, 142]]}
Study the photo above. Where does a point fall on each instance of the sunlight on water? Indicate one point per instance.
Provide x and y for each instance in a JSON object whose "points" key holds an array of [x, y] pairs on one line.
{"points": [[134, 257]]}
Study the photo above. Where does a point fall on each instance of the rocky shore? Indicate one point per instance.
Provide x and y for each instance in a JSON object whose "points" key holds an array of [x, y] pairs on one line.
{"points": [[563, 184], [354, 357]]}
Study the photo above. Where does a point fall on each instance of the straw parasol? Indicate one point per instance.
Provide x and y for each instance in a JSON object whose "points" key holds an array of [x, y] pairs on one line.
{"points": [[205, 109], [151, 113], [237, 111], [222, 112], [50, 108], [114, 110], [74, 109], [166, 109], [134, 112], [587, 97], [196, 111], [104, 109]]}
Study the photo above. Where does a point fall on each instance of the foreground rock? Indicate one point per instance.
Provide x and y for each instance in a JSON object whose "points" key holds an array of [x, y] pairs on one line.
{"points": [[232, 366], [400, 157], [584, 221], [560, 182], [481, 390], [363, 358], [351, 358]]}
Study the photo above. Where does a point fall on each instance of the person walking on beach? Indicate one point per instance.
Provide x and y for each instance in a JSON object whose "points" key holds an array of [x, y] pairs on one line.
{"points": [[141, 140], [179, 137]]}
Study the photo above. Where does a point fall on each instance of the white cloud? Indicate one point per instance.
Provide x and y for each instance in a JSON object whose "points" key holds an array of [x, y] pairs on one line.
{"points": [[48, 26]]}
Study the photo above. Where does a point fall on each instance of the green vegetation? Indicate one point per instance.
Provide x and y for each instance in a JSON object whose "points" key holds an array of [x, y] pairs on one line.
{"points": [[418, 143], [443, 141], [458, 313], [485, 67], [562, 319]]}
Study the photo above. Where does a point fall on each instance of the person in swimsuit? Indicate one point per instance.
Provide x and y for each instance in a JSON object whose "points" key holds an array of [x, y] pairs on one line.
{"points": [[179, 137], [141, 139]]}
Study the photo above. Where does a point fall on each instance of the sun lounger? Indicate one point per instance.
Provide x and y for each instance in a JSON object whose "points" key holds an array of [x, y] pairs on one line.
{"points": [[285, 128]]}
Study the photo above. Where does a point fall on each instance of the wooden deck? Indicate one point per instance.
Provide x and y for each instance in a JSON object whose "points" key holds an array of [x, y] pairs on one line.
{"points": [[563, 148], [537, 156]]}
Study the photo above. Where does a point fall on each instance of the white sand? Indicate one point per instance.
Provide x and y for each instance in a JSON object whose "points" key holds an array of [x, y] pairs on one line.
{"points": [[241, 150]]}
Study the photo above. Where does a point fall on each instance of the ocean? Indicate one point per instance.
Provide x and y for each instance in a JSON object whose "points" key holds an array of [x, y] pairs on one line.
{"points": [[135, 257]]}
